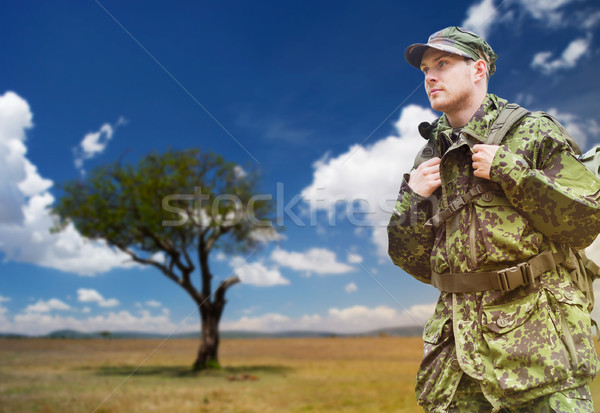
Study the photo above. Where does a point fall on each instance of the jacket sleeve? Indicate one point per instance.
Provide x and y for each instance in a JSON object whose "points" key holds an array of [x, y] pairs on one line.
{"points": [[545, 182], [409, 241]]}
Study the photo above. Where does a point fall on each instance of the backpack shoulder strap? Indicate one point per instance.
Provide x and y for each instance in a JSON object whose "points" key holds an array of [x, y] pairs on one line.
{"points": [[570, 140], [429, 150], [513, 113], [507, 118]]}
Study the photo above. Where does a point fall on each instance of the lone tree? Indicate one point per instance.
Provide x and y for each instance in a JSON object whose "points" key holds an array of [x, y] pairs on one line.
{"points": [[171, 211]]}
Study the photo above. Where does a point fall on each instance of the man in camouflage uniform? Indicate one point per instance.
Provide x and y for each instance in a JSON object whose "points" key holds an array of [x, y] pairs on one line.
{"points": [[510, 331]]}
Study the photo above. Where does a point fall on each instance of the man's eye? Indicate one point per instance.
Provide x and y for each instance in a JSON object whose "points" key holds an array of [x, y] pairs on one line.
{"points": [[443, 63]]}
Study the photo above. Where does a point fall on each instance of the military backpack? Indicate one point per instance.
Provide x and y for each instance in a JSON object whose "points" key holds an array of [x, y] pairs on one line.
{"points": [[583, 264]]}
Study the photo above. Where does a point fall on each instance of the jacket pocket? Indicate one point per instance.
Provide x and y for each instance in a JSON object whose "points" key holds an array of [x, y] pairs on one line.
{"points": [[524, 344], [437, 377], [432, 332], [503, 234], [569, 314]]}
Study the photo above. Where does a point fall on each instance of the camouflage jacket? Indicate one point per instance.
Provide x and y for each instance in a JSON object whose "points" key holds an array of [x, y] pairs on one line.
{"points": [[528, 342]]}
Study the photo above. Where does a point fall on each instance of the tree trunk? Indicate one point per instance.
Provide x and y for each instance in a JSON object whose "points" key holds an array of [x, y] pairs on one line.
{"points": [[208, 354]]}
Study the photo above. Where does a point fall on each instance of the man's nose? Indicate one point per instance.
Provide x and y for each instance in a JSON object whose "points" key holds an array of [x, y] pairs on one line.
{"points": [[430, 77]]}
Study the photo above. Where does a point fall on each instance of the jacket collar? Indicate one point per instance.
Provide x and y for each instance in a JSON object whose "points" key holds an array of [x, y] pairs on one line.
{"points": [[478, 127]]}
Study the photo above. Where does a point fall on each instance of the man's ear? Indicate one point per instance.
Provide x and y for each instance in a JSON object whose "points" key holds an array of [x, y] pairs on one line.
{"points": [[479, 70]]}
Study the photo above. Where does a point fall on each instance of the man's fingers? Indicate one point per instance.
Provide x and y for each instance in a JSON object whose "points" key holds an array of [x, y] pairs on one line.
{"points": [[431, 162], [426, 178], [429, 167], [431, 170]]}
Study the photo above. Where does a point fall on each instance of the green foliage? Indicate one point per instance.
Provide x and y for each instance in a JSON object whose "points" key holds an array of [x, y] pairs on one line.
{"points": [[167, 202]]}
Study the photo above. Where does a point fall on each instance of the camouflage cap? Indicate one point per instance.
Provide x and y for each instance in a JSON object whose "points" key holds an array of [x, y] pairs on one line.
{"points": [[454, 40]]}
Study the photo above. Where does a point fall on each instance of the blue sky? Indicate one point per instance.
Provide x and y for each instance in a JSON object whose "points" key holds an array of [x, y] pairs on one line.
{"points": [[316, 95]]}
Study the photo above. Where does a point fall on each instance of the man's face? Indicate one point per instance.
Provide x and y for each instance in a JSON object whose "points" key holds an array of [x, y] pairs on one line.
{"points": [[448, 80]]}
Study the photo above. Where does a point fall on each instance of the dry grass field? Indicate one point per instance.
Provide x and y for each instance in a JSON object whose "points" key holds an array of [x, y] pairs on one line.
{"points": [[258, 375]]}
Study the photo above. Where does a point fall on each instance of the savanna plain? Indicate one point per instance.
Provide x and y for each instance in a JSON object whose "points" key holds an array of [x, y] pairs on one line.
{"points": [[370, 374]]}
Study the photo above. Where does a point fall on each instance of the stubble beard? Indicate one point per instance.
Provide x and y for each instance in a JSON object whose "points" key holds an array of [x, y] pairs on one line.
{"points": [[451, 104]]}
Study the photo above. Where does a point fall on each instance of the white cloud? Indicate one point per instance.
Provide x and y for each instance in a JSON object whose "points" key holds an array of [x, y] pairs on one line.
{"points": [[480, 17], [25, 220], [351, 288], [257, 273], [552, 14], [353, 319], [591, 20], [85, 295], [354, 258], [40, 323], [36, 319], [239, 172], [153, 303], [318, 260], [266, 322], [266, 234], [15, 118], [369, 176], [4, 299], [568, 59], [47, 306], [33, 183], [94, 143], [345, 320], [547, 11]]}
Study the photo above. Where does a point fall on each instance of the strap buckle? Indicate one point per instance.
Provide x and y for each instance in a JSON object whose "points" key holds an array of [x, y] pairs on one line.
{"points": [[514, 277], [478, 189], [457, 204]]}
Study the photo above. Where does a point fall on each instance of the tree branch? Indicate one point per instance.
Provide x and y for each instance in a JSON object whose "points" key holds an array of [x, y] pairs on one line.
{"points": [[224, 286], [203, 253], [212, 237], [167, 246], [183, 281], [188, 260], [170, 274]]}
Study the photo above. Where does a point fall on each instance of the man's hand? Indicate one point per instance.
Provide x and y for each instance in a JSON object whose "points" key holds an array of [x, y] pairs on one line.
{"points": [[426, 178], [482, 159]]}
